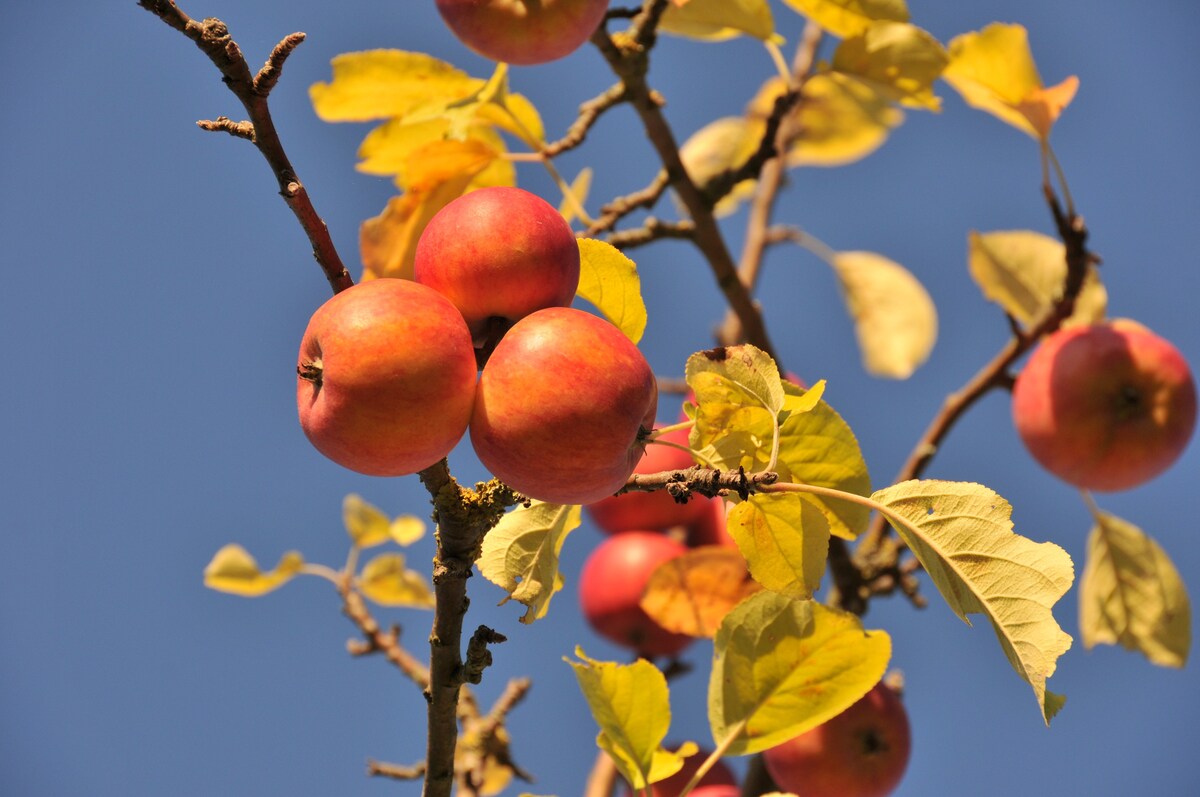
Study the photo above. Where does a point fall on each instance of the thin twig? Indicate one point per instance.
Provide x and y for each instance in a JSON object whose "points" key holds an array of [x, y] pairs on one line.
{"points": [[653, 230], [589, 113], [621, 207]]}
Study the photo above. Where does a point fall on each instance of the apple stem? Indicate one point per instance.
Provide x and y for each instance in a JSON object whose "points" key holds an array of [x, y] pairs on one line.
{"points": [[310, 372]]}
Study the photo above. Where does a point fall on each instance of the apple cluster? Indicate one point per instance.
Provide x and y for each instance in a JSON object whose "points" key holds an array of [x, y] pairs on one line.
{"points": [[389, 375]]}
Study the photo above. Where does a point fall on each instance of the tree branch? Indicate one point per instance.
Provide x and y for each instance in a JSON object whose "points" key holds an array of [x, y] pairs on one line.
{"points": [[213, 39]]}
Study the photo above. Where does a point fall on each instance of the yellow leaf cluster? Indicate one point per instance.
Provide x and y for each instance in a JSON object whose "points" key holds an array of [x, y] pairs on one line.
{"points": [[848, 18], [387, 581], [717, 20], [898, 60], [235, 571]]}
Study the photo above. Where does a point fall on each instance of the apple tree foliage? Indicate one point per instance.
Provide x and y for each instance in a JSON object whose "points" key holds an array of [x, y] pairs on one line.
{"points": [[792, 469]]}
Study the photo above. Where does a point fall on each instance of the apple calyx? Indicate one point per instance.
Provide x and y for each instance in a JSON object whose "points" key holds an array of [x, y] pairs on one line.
{"points": [[310, 371]]}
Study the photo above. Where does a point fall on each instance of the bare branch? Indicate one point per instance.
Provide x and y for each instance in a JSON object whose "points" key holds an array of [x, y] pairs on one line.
{"points": [[589, 113], [653, 230]]}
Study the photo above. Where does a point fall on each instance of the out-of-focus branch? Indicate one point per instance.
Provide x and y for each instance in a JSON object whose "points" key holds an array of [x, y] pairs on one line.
{"points": [[589, 113], [213, 38], [621, 207], [653, 230]]}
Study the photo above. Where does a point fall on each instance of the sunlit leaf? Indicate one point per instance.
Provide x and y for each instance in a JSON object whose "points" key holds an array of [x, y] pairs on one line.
{"points": [[366, 524], [963, 535], [994, 71], [390, 148], [894, 318], [846, 18], [785, 540], [692, 593], [723, 144], [782, 666], [840, 120], [406, 529], [387, 581], [898, 60], [520, 555], [378, 84], [716, 20], [1024, 272], [631, 704], [235, 571], [609, 281], [579, 191], [1130, 594]]}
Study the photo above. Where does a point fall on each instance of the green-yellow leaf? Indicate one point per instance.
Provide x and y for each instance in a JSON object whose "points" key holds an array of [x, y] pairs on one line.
{"points": [[963, 535], [846, 18], [520, 555], [1024, 272], [715, 20], [235, 571], [1130, 594], [609, 281], [994, 71], [840, 120], [785, 540], [739, 396], [723, 144], [406, 529], [782, 666], [898, 60], [366, 525], [631, 704], [894, 318], [387, 581]]}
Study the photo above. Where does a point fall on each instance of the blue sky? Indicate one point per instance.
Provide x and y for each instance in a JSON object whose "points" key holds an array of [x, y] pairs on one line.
{"points": [[157, 289]]}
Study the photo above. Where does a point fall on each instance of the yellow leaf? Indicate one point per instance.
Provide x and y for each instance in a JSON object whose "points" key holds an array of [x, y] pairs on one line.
{"points": [[366, 525], [520, 555], [739, 396], [579, 190], [609, 281], [898, 60], [721, 145], [785, 540], [378, 84], [692, 593], [235, 571], [486, 756], [390, 148], [841, 120], [715, 20], [1024, 271], [406, 529], [847, 18], [631, 704], [994, 71], [387, 581], [783, 666], [1131, 594], [962, 534], [894, 318]]}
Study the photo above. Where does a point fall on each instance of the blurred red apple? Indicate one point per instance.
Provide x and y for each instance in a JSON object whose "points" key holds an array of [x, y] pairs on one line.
{"points": [[523, 31], [710, 527], [656, 510], [498, 254], [1107, 406], [861, 752], [611, 584], [386, 377], [562, 406]]}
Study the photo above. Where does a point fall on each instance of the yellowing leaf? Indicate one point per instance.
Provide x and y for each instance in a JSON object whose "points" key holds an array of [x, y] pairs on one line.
{"points": [[486, 756], [1130, 594], [718, 19], [520, 555], [1024, 271], [387, 581], [609, 281], [579, 192], [235, 571], [994, 71], [847, 18], [406, 529], [390, 149], [962, 534], [783, 666], [378, 84], [785, 540], [739, 395], [366, 525], [898, 60], [692, 593], [630, 703], [840, 120], [894, 318], [724, 144]]}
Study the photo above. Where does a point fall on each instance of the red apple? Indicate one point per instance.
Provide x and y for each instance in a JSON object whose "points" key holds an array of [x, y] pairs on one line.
{"points": [[523, 31], [711, 528], [717, 782], [611, 584], [498, 254], [656, 510], [719, 790], [861, 752], [562, 407], [1107, 406], [386, 377]]}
